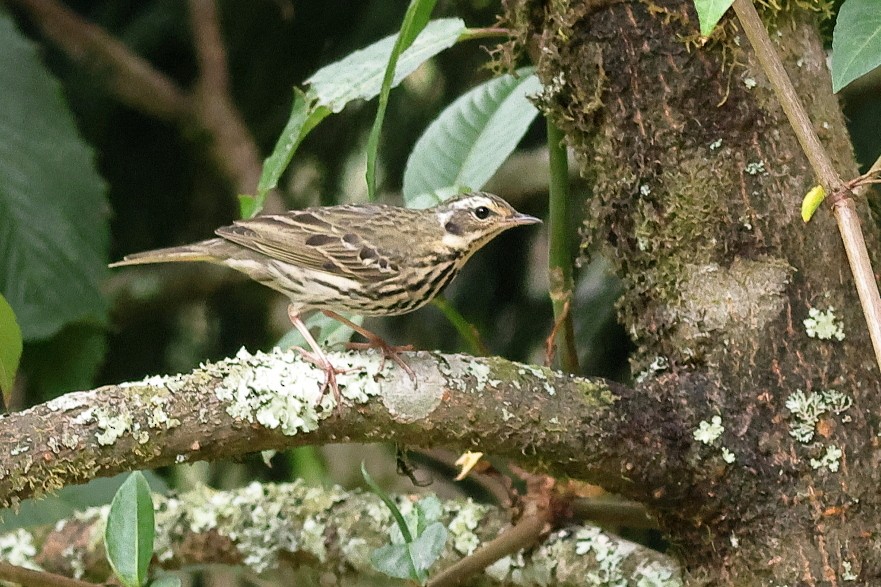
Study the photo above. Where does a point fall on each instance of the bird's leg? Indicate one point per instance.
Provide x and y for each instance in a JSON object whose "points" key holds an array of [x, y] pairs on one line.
{"points": [[374, 341], [317, 357]]}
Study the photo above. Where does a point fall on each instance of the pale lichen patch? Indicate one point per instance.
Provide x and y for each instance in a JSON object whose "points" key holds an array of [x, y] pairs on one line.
{"points": [[261, 520], [462, 526], [830, 459], [823, 325], [17, 548], [808, 408], [709, 432], [112, 424]]}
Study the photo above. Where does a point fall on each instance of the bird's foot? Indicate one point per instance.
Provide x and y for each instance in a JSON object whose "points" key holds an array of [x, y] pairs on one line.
{"points": [[321, 361], [388, 352], [374, 341]]}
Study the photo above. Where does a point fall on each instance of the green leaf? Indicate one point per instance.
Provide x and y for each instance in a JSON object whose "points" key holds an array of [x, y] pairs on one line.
{"points": [[415, 20], [69, 500], [395, 560], [413, 559], [305, 115], [709, 13], [396, 513], [471, 139], [427, 548], [53, 210], [129, 533], [10, 347], [856, 41], [359, 75]]}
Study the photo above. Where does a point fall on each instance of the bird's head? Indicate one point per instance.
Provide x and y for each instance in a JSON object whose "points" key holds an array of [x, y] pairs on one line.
{"points": [[471, 220]]}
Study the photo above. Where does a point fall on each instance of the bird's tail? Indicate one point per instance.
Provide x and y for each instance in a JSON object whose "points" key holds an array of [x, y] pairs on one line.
{"points": [[209, 250]]}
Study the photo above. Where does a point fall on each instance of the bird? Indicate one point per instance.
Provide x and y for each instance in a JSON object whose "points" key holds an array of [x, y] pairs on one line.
{"points": [[368, 259]]}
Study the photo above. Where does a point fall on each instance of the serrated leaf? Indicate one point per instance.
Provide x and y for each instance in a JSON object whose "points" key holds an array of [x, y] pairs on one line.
{"points": [[709, 13], [471, 139], [128, 537], [811, 202], [856, 41], [428, 546], [10, 347], [359, 75], [53, 210], [414, 21]]}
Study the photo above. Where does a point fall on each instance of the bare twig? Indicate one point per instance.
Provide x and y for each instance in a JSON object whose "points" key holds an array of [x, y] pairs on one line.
{"points": [[843, 206], [138, 84], [132, 79], [234, 149], [527, 532]]}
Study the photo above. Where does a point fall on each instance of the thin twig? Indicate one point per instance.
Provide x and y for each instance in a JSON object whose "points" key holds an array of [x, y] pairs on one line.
{"points": [[873, 170], [843, 206], [234, 149], [132, 79], [138, 84], [31, 578], [528, 531]]}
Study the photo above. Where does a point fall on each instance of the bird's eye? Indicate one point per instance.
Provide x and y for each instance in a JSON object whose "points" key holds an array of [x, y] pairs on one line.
{"points": [[481, 212]]}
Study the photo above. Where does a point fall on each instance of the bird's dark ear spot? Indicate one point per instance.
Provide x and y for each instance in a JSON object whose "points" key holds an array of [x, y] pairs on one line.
{"points": [[317, 240], [453, 228]]}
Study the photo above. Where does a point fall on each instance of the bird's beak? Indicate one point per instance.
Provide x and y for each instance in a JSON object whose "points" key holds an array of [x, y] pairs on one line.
{"points": [[522, 219]]}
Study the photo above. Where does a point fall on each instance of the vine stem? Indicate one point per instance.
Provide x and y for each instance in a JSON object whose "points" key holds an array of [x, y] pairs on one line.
{"points": [[843, 206], [560, 256]]}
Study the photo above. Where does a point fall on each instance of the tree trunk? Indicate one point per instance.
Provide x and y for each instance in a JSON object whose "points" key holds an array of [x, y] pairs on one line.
{"points": [[698, 180]]}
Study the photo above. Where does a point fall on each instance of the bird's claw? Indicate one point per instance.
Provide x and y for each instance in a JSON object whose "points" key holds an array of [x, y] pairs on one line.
{"points": [[388, 352], [330, 372]]}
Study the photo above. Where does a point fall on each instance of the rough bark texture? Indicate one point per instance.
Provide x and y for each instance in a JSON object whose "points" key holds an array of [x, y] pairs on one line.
{"points": [[697, 185]]}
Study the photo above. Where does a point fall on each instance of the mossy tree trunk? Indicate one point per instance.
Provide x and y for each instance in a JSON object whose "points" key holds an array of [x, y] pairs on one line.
{"points": [[697, 182]]}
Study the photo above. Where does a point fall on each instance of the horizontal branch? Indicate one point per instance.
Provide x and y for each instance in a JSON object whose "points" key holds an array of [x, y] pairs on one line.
{"points": [[585, 428], [263, 527]]}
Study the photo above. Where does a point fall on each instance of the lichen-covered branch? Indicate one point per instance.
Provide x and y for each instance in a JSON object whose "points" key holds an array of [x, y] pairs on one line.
{"points": [[582, 427], [265, 527]]}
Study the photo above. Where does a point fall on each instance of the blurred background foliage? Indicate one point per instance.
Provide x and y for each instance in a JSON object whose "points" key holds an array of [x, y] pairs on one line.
{"points": [[163, 189]]}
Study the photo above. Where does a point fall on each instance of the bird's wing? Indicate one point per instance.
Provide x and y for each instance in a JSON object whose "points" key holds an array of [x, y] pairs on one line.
{"points": [[335, 240]]}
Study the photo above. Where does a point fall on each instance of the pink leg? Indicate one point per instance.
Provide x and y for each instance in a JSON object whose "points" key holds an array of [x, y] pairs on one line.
{"points": [[375, 342], [317, 357]]}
